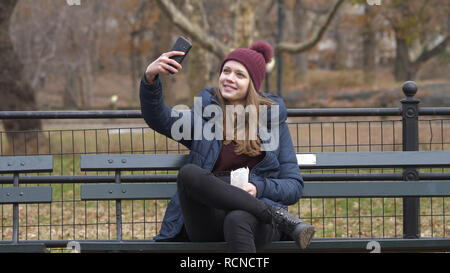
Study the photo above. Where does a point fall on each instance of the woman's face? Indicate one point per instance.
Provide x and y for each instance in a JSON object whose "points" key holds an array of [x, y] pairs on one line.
{"points": [[233, 82]]}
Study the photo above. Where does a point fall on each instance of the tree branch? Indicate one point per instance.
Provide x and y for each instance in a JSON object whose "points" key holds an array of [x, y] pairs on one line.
{"points": [[427, 54], [195, 32], [316, 10], [304, 46]]}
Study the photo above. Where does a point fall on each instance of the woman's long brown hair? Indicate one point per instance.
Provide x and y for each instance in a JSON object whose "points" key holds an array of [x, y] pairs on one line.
{"points": [[248, 146]]}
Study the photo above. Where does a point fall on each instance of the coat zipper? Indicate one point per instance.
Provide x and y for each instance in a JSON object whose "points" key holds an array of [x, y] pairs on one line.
{"points": [[259, 163], [221, 141]]}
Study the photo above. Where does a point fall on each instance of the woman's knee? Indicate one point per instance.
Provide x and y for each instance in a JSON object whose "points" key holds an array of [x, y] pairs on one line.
{"points": [[188, 174], [240, 219]]}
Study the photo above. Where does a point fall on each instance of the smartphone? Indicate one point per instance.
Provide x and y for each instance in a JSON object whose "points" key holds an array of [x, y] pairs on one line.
{"points": [[182, 44]]}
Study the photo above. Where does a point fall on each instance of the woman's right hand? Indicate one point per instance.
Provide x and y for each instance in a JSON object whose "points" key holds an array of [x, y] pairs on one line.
{"points": [[161, 65]]}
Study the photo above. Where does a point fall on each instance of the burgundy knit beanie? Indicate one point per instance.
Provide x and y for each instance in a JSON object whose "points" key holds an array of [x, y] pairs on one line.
{"points": [[254, 59]]}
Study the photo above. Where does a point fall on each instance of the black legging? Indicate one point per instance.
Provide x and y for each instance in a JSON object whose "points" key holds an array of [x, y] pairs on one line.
{"points": [[214, 210]]}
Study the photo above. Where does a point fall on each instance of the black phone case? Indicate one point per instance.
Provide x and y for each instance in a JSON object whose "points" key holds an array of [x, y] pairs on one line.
{"points": [[182, 44]]}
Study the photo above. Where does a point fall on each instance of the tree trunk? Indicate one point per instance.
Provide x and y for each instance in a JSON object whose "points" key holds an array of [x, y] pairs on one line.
{"points": [[72, 88], [300, 33], [164, 38], [339, 60], [135, 69], [199, 66], [403, 69], [369, 45], [15, 92], [244, 23], [78, 73], [88, 96]]}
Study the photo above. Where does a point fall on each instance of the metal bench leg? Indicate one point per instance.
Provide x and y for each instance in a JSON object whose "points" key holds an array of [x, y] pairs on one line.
{"points": [[16, 213], [118, 210]]}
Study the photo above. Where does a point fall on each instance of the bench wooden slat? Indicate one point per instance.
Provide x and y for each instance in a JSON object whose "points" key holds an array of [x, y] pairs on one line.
{"points": [[401, 159], [133, 162], [23, 248], [311, 189], [316, 245], [24, 164], [24, 195], [127, 191], [377, 189]]}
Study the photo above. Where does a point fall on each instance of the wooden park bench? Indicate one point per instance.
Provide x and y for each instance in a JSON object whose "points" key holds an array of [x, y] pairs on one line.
{"points": [[357, 185]]}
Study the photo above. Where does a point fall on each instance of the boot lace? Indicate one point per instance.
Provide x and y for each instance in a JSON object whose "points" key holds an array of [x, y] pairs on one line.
{"points": [[286, 221]]}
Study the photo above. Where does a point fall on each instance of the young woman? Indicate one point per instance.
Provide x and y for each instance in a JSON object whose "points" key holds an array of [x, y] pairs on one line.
{"points": [[206, 206]]}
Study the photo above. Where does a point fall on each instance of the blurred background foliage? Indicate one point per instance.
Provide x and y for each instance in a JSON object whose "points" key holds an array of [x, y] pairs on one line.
{"points": [[332, 53]]}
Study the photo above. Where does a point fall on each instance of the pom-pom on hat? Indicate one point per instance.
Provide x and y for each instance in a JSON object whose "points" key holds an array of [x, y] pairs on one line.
{"points": [[254, 59]]}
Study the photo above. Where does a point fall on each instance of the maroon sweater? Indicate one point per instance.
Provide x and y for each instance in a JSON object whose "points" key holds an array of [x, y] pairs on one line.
{"points": [[228, 160]]}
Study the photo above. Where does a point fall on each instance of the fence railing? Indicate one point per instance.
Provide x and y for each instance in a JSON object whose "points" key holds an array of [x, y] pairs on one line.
{"points": [[408, 127]]}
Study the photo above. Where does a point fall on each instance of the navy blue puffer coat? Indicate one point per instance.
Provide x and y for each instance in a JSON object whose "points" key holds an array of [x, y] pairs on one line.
{"points": [[277, 177]]}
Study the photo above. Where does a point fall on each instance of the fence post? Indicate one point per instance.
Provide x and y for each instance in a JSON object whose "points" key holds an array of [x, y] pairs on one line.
{"points": [[410, 131], [279, 57]]}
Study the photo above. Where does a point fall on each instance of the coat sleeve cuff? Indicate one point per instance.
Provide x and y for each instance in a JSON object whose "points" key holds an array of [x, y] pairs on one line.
{"points": [[153, 88], [259, 183]]}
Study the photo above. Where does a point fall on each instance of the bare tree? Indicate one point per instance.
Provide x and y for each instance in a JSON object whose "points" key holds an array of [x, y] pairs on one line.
{"points": [[16, 91], [35, 34], [53, 38], [245, 12], [138, 24], [199, 64], [369, 44], [419, 25], [300, 32], [310, 43], [247, 18], [81, 46], [196, 32]]}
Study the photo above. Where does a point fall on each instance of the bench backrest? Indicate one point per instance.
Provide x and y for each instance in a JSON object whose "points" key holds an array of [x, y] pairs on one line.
{"points": [[25, 164], [123, 162], [19, 195]]}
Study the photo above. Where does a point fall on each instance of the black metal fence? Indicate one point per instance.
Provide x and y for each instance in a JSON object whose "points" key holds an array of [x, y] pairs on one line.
{"points": [[68, 218]]}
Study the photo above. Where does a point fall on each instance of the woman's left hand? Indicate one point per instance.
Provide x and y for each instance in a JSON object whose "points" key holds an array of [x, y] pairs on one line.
{"points": [[250, 188]]}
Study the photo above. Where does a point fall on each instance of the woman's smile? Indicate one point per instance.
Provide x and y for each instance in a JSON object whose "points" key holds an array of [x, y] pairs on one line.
{"points": [[229, 88]]}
